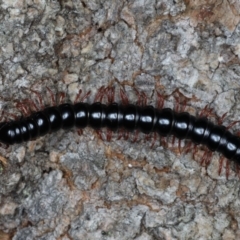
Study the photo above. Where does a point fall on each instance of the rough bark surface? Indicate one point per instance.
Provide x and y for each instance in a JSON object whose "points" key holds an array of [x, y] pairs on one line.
{"points": [[66, 186]]}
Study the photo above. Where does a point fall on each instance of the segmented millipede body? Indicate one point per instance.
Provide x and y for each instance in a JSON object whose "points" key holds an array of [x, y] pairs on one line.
{"points": [[130, 117]]}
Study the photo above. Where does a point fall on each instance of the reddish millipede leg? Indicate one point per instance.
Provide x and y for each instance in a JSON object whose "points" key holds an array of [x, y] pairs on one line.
{"points": [[12, 116], [153, 140], [126, 135], [206, 159], [100, 93], [187, 148], [160, 101], [61, 97], [109, 135], [207, 111], [32, 104], [110, 94], [163, 141], [181, 100], [220, 165], [232, 124], [179, 146], [227, 169], [78, 96], [124, 97], [120, 134], [136, 134], [147, 137], [237, 170], [85, 96], [26, 106], [99, 133], [194, 151], [39, 98], [2, 117], [142, 97], [53, 98], [22, 108], [221, 119], [80, 132]]}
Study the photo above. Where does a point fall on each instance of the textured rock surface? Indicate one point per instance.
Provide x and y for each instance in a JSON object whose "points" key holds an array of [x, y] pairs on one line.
{"points": [[65, 186]]}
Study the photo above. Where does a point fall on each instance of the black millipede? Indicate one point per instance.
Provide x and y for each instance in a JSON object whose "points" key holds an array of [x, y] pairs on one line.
{"points": [[114, 116]]}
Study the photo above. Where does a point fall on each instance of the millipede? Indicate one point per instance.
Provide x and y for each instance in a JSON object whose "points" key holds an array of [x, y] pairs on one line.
{"points": [[199, 130]]}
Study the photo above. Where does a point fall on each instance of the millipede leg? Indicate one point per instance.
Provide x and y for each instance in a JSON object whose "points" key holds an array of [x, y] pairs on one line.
{"points": [[160, 101], [179, 146], [163, 142], [237, 167], [99, 133], [22, 108], [78, 96], [120, 134], [221, 119], [142, 98], [194, 151], [109, 135], [39, 98], [2, 117], [136, 134], [123, 96], [61, 97], [85, 96], [27, 106], [110, 94], [187, 148], [207, 112], [125, 135], [147, 137], [53, 98], [32, 104], [206, 159], [227, 169], [220, 165], [100, 93], [232, 124], [153, 140], [181, 100], [79, 131]]}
